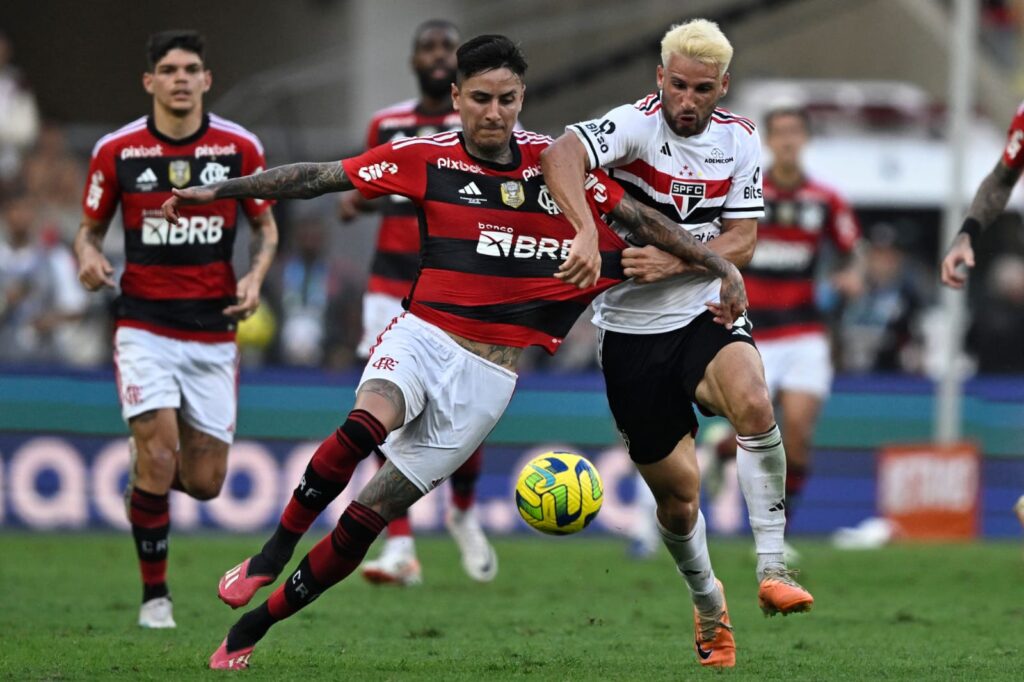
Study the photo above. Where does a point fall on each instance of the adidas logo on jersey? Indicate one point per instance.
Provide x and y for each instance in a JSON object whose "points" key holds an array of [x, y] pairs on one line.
{"points": [[665, 150], [471, 194], [146, 181]]}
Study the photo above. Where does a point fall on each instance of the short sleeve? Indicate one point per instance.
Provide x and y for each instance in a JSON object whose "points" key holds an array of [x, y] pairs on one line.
{"points": [[1012, 153], [843, 226], [102, 191], [745, 198], [393, 168], [254, 161], [614, 139]]}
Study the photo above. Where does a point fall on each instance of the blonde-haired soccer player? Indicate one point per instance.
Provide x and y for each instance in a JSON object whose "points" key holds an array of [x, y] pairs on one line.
{"points": [[661, 351]]}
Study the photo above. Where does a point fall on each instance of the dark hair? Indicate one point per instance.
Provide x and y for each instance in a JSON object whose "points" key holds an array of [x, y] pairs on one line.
{"points": [[429, 24], [787, 110], [159, 44], [489, 52]]}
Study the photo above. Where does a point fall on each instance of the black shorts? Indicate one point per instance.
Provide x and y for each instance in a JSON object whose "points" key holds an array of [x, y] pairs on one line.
{"points": [[652, 379]]}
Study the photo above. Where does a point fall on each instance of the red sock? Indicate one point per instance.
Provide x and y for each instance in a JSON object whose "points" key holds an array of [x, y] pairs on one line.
{"points": [[150, 517], [400, 527], [331, 468], [330, 561], [464, 480]]}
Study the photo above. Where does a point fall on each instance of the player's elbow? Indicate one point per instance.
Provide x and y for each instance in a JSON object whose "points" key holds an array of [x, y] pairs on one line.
{"points": [[744, 255], [566, 151]]}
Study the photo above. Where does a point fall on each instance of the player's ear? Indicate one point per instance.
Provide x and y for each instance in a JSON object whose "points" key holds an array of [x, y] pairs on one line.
{"points": [[661, 77], [725, 83], [455, 96], [207, 80], [147, 82]]}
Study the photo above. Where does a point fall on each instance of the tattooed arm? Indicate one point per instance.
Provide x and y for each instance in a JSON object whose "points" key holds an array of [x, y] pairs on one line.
{"points": [[989, 201], [294, 181], [653, 228], [261, 252]]}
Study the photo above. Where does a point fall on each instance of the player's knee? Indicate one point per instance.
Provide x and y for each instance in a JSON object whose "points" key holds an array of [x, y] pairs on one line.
{"points": [[203, 488], [157, 457], [752, 411], [678, 515]]}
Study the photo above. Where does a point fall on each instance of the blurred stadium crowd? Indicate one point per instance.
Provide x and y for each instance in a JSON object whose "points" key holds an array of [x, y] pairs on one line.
{"points": [[311, 312]]}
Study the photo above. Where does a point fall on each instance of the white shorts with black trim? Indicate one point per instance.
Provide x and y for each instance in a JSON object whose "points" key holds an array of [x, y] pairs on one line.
{"points": [[800, 364], [453, 398], [198, 379]]}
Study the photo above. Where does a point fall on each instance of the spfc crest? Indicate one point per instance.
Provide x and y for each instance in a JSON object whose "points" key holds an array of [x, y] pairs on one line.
{"points": [[686, 195], [512, 193], [179, 173]]}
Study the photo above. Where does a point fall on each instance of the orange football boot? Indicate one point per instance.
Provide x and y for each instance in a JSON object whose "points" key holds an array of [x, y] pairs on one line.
{"points": [[713, 639], [779, 593]]}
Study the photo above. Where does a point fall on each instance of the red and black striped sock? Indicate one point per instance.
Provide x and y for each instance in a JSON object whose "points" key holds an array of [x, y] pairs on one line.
{"points": [[150, 517], [326, 475], [332, 560], [464, 480]]}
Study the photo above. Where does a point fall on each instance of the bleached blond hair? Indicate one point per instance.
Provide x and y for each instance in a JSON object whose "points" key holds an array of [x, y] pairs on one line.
{"points": [[698, 39]]}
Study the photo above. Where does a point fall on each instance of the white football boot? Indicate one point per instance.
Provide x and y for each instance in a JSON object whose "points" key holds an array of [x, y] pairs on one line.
{"points": [[157, 613], [479, 559], [396, 565]]}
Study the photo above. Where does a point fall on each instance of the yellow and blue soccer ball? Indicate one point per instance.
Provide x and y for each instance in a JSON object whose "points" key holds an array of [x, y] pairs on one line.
{"points": [[559, 493]]}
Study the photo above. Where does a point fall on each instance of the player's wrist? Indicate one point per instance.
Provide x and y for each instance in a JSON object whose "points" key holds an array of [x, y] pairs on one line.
{"points": [[972, 228]]}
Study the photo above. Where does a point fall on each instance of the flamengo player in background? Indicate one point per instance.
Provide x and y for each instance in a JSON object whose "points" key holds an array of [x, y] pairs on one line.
{"points": [[174, 348], [801, 217], [989, 202], [394, 268], [676, 152], [495, 249]]}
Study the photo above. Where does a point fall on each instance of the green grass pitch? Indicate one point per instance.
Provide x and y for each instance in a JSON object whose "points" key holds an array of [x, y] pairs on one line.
{"points": [[560, 609]]}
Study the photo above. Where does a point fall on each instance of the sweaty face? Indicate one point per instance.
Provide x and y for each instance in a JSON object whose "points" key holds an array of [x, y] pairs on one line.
{"points": [[786, 138], [489, 104], [178, 82], [433, 60], [690, 91]]}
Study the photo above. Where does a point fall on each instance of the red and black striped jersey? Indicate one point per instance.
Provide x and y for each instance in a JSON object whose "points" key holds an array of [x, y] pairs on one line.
{"points": [[780, 277], [492, 237], [1012, 156], [396, 259], [177, 279]]}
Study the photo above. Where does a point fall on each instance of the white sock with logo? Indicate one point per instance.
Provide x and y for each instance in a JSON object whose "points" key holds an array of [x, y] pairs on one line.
{"points": [[690, 553], [761, 466]]}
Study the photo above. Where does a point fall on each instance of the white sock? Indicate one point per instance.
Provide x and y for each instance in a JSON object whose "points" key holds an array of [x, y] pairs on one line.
{"points": [[690, 553], [761, 465], [403, 544]]}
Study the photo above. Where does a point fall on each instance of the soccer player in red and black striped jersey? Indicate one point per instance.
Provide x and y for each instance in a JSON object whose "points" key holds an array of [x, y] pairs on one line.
{"points": [[495, 277], [175, 355], [395, 264]]}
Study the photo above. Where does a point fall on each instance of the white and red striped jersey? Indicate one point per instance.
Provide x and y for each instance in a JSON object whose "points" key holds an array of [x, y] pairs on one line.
{"points": [[696, 181], [178, 278]]}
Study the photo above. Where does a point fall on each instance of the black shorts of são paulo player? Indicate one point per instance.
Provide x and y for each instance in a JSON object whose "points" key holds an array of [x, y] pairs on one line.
{"points": [[651, 381]]}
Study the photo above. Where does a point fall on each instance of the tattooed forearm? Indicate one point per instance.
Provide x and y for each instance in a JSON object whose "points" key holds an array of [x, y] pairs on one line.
{"points": [[294, 181], [389, 492], [505, 356], [388, 391], [655, 229], [993, 193]]}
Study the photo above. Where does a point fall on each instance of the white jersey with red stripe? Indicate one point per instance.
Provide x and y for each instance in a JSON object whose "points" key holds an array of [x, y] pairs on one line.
{"points": [[696, 181]]}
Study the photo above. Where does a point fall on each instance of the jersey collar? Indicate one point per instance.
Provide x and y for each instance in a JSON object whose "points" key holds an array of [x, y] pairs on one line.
{"points": [[203, 127], [517, 156]]}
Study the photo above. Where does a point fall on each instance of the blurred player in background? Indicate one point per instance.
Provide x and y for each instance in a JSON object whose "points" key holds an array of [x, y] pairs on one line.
{"points": [[494, 251], [802, 219], [175, 355], [395, 265], [677, 152], [989, 202]]}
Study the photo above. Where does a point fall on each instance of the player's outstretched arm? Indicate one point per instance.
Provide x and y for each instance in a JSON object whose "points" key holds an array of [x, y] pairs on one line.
{"points": [[654, 228], [989, 201], [564, 165], [294, 181]]}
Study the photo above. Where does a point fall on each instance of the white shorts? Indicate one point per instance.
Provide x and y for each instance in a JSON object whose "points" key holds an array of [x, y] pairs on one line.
{"points": [[378, 312], [198, 379], [798, 363], [453, 398]]}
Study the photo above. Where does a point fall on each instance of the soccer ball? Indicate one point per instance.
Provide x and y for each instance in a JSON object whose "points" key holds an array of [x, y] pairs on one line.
{"points": [[559, 493]]}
